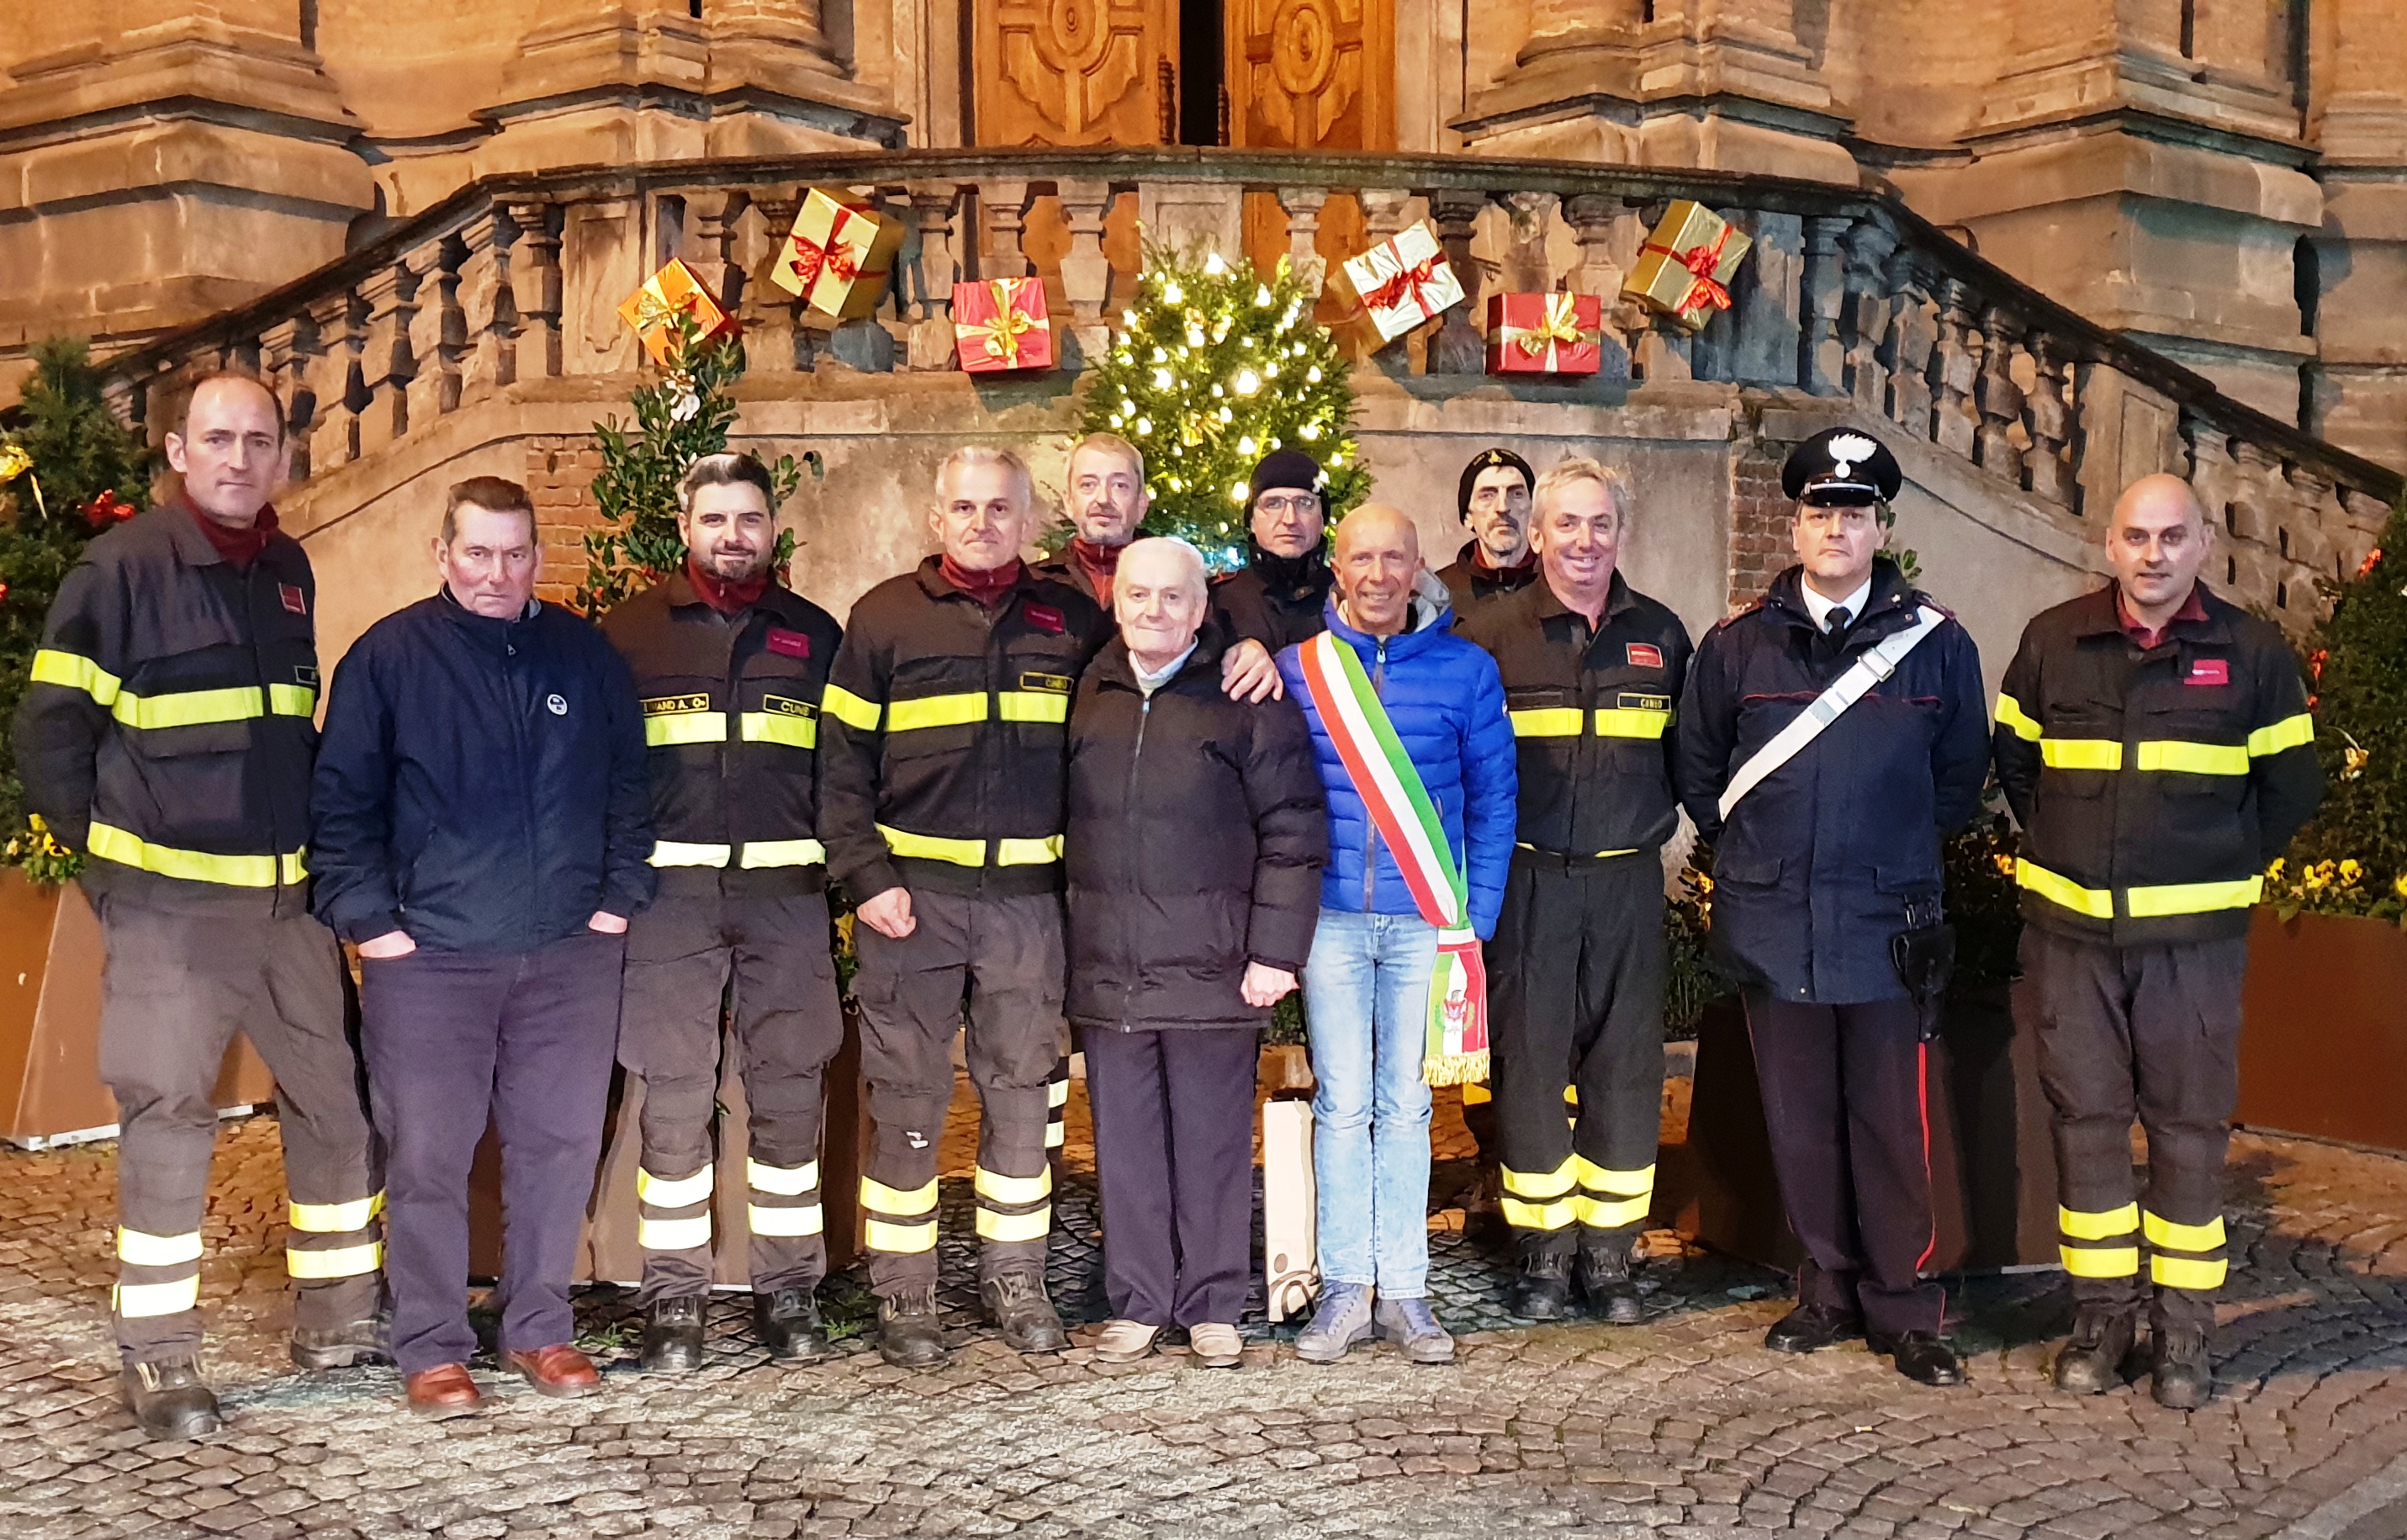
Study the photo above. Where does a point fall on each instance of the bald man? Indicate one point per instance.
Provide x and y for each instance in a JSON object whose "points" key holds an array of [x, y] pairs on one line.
{"points": [[2154, 744]]}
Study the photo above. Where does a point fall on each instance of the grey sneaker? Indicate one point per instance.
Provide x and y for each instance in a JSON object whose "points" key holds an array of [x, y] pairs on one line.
{"points": [[1343, 1320], [1409, 1324]]}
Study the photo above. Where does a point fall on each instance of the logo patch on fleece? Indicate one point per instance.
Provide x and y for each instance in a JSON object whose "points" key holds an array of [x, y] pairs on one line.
{"points": [[294, 600], [788, 644], [1045, 618], [1645, 655], [2209, 671]]}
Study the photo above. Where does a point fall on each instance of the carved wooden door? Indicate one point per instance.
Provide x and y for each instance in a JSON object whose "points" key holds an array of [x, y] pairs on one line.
{"points": [[1076, 72], [1312, 74]]}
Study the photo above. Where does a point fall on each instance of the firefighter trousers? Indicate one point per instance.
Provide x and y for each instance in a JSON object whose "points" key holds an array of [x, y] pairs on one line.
{"points": [[1003, 957], [1575, 982], [2151, 1034], [175, 989], [761, 966]]}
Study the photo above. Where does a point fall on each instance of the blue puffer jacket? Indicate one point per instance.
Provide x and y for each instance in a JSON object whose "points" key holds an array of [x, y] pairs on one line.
{"points": [[1443, 695]]}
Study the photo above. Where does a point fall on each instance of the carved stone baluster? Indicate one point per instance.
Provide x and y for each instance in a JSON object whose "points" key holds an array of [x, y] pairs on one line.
{"points": [[285, 351], [1386, 211], [1954, 366], [1302, 205], [1905, 352], [709, 247], [933, 209], [390, 293], [334, 387], [1528, 218], [125, 401], [1592, 217], [1864, 311], [534, 290], [1998, 399], [1085, 272], [1457, 348], [486, 307], [438, 332], [770, 314], [1003, 208], [1821, 355], [2047, 417]]}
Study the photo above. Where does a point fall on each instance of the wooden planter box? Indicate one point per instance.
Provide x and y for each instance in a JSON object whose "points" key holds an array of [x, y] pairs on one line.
{"points": [[2323, 1046]]}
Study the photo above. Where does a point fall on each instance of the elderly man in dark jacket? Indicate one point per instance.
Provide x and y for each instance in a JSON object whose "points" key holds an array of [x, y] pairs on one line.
{"points": [[482, 815], [1823, 856], [1195, 845]]}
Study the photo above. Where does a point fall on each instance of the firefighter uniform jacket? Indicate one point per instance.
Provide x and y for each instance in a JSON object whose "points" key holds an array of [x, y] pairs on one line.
{"points": [[2153, 785], [730, 727], [1590, 715], [945, 732], [167, 732]]}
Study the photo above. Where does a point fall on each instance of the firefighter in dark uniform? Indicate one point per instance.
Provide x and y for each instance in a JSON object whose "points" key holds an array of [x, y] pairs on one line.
{"points": [[1826, 868], [1275, 599], [1493, 502], [167, 734], [1577, 970], [730, 665], [2154, 744], [1105, 498]]}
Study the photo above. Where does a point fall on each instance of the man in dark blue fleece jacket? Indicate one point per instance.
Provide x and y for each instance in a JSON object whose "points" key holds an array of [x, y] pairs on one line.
{"points": [[483, 816]]}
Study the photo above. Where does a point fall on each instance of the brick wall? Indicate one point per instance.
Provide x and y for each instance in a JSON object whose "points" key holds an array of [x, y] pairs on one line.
{"points": [[559, 477], [1759, 546]]}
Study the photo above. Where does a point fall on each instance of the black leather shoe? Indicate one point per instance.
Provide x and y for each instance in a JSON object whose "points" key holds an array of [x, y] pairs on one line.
{"points": [[909, 1334], [1920, 1356], [1811, 1328], [1015, 1301], [170, 1400], [1605, 1279], [673, 1335], [2092, 1362], [1541, 1291], [2183, 1378], [787, 1323], [368, 1341]]}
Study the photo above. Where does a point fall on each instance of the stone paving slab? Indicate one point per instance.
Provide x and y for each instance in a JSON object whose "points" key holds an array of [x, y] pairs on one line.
{"points": [[1683, 1426]]}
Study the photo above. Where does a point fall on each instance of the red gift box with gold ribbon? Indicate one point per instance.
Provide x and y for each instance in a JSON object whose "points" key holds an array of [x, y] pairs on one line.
{"points": [[838, 255], [1001, 325], [652, 310], [1685, 268], [1543, 334]]}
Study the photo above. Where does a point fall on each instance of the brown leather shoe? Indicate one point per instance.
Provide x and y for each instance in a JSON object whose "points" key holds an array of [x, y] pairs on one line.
{"points": [[558, 1370], [444, 1390]]}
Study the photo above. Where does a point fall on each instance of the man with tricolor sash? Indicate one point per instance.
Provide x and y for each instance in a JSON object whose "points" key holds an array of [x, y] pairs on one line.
{"points": [[166, 736], [2156, 746], [1416, 755], [1579, 965], [728, 666]]}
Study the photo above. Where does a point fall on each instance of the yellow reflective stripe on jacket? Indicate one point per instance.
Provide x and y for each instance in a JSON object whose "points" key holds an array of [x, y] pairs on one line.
{"points": [[139, 1301], [2098, 1224], [759, 853], [995, 1187], [1033, 705], [1631, 721], [849, 708], [682, 1192], [1546, 722], [1027, 852], [673, 1234], [143, 1249], [781, 1181], [960, 852], [992, 1226], [74, 670], [667, 728], [2187, 1272], [935, 711], [342, 1262], [111, 842], [1541, 1185], [292, 700], [2081, 753], [335, 1219], [673, 853], [2186, 1237], [800, 1220], [2097, 903], [1057, 1095], [876, 1195], [188, 708], [2289, 733], [2102, 1261], [2194, 759], [2012, 716], [779, 727], [2182, 898]]}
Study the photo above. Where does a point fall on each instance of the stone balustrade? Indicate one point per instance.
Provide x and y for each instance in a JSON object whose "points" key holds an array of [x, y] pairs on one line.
{"points": [[1848, 303]]}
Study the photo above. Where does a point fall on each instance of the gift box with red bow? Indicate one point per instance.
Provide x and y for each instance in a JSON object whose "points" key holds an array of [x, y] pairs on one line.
{"points": [[838, 255], [1002, 324], [1685, 268], [1543, 334], [1397, 285], [652, 310]]}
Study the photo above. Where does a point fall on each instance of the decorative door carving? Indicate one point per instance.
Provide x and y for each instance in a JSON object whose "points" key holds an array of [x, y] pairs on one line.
{"points": [[1075, 72], [1312, 74]]}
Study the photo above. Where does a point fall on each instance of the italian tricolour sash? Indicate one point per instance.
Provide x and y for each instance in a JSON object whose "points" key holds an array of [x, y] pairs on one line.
{"points": [[1390, 788]]}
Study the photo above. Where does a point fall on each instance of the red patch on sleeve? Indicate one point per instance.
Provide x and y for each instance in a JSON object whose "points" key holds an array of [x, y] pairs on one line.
{"points": [[1044, 618], [294, 600], [1645, 655], [2209, 671], [790, 644]]}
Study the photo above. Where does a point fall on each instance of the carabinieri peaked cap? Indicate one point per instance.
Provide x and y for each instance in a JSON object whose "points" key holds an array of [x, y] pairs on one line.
{"points": [[1843, 461]]}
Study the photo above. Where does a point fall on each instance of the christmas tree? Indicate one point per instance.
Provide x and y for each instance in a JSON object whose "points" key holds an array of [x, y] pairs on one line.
{"points": [[682, 417], [1212, 369]]}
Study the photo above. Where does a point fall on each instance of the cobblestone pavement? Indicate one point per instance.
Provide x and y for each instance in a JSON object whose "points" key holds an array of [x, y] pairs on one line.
{"points": [[1682, 1426]]}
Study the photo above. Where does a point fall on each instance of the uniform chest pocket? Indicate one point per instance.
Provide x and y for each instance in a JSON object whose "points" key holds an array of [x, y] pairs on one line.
{"points": [[2198, 750], [183, 742], [785, 720], [2081, 740]]}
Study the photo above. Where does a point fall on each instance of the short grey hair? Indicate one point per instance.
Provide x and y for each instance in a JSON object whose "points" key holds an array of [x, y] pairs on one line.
{"points": [[1110, 443], [1580, 468], [986, 454], [1190, 558]]}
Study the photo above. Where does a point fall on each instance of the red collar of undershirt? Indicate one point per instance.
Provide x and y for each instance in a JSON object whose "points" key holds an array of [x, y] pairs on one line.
{"points": [[238, 547], [989, 586], [2193, 609], [722, 595], [1102, 563]]}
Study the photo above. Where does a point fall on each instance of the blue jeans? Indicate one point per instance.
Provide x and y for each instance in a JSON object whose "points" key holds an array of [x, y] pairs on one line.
{"points": [[1366, 1000]]}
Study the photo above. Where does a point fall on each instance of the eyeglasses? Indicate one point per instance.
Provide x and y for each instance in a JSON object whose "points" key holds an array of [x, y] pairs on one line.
{"points": [[1279, 506]]}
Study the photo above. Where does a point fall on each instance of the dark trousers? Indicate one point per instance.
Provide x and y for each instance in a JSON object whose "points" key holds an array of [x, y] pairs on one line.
{"points": [[2151, 1032], [175, 989], [1843, 1103], [763, 966], [1174, 1114], [1003, 957], [457, 1039], [1575, 982]]}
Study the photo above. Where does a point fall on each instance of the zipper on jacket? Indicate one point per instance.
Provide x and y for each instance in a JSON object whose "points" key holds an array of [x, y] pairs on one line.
{"points": [[727, 739], [1371, 830], [1136, 757], [252, 593]]}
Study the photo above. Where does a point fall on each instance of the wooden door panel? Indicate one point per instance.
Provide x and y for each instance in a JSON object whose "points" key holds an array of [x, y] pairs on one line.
{"points": [[1073, 72], [1312, 74]]}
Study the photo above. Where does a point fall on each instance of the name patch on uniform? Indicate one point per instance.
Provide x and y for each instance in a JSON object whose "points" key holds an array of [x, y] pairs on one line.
{"points": [[1631, 701], [1645, 655], [294, 600], [670, 706], [1045, 618], [1059, 684], [789, 644], [2209, 671], [782, 706]]}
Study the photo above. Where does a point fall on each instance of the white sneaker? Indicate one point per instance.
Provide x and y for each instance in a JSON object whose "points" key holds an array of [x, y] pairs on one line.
{"points": [[1216, 1346], [1125, 1341]]}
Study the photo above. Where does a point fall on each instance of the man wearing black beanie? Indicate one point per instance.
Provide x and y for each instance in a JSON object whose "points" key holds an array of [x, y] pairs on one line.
{"points": [[1276, 598], [1494, 501]]}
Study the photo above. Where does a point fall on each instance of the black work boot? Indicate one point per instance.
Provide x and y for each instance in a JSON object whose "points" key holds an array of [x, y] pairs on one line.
{"points": [[1605, 1279], [1015, 1301], [354, 1342], [170, 1400], [2183, 1380], [1811, 1328], [909, 1334], [786, 1322], [673, 1335], [2092, 1360], [1919, 1356], [1541, 1290]]}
